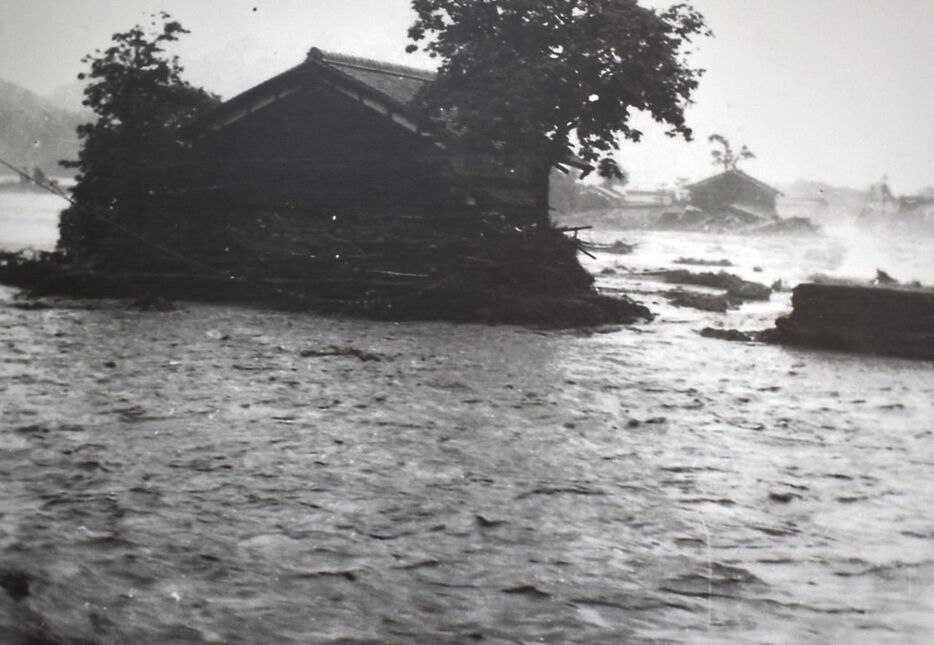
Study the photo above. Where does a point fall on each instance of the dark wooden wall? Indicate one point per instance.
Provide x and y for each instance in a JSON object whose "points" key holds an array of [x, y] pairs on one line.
{"points": [[325, 151]]}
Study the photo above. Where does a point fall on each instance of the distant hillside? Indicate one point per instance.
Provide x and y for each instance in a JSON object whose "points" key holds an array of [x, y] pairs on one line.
{"points": [[69, 97], [34, 132]]}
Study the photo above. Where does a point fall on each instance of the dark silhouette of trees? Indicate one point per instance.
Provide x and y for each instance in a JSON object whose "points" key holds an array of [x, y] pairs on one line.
{"points": [[546, 79], [142, 105], [724, 155]]}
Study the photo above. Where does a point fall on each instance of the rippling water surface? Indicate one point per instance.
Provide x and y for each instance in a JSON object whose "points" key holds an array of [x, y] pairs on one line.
{"points": [[190, 477]]}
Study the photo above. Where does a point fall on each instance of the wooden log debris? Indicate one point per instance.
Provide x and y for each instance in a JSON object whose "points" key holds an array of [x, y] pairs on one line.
{"points": [[881, 319], [735, 287]]}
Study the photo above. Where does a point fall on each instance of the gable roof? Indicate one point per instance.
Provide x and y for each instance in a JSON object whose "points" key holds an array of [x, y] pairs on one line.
{"points": [[397, 82], [383, 87], [735, 172]]}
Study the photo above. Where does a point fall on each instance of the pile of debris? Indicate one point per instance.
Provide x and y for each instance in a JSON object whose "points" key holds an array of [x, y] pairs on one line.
{"points": [[617, 247], [734, 286], [694, 219], [784, 226], [704, 263], [465, 269], [733, 290]]}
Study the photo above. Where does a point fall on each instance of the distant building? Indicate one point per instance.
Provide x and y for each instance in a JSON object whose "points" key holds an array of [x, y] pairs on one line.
{"points": [[803, 206], [611, 198], [909, 203], [879, 202], [617, 195], [916, 208], [637, 198], [340, 134], [736, 193], [613, 195]]}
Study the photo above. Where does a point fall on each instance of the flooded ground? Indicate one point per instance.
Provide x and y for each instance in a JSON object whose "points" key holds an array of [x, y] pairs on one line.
{"points": [[29, 220], [191, 477]]}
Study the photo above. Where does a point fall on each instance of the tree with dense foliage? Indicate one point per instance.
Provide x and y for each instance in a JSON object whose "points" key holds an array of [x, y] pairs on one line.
{"points": [[141, 104], [547, 79], [723, 154]]}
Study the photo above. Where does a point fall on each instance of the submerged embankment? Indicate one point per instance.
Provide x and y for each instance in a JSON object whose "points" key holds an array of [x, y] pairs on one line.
{"points": [[224, 474]]}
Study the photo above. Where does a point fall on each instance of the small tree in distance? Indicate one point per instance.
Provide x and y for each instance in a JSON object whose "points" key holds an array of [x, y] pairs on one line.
{"points": [[141, 104], [547, 79], [724, 155]]}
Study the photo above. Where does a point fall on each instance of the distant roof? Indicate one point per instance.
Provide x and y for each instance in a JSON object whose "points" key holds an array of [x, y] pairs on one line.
{"points": [[735, 172], [606, 192]]}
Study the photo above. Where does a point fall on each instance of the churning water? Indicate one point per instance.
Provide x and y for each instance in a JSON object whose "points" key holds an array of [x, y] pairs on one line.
{"points": [[191, 477]]}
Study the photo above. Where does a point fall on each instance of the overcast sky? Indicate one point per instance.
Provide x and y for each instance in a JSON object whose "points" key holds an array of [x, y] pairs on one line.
{"points": [[834, 90]]}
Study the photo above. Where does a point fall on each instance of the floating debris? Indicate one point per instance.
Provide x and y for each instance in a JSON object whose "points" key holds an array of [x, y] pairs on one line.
{"points": [[153, 303], [732, 284], [15, 583], [727, 334], [618, 246], [704, 263], [334, 350], [700, 301]]}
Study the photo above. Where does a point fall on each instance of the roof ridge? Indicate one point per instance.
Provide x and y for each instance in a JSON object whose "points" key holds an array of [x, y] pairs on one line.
{"points": [[371, 64], [394, 85], [738, 172]]}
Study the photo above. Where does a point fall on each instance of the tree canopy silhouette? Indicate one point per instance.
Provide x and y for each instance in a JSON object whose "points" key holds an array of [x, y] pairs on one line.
{"points": [[141, 104], [546, 79], [724, 155]]}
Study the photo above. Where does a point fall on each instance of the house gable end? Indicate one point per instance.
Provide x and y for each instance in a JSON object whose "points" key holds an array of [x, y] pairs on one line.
{"points": [[386, 89], [317, 128], [733, 176]]}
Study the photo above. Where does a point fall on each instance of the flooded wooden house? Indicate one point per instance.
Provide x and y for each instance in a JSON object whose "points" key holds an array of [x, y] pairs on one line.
{"points": [[340, 134], [326, 186], [736, 193]]}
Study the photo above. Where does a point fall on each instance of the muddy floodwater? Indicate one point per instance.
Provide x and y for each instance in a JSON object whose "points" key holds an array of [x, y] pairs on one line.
{"points": [[231, 475]]}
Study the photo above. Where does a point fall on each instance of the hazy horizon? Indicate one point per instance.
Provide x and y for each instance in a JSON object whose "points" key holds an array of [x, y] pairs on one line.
{"points": [[830, 91]]}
